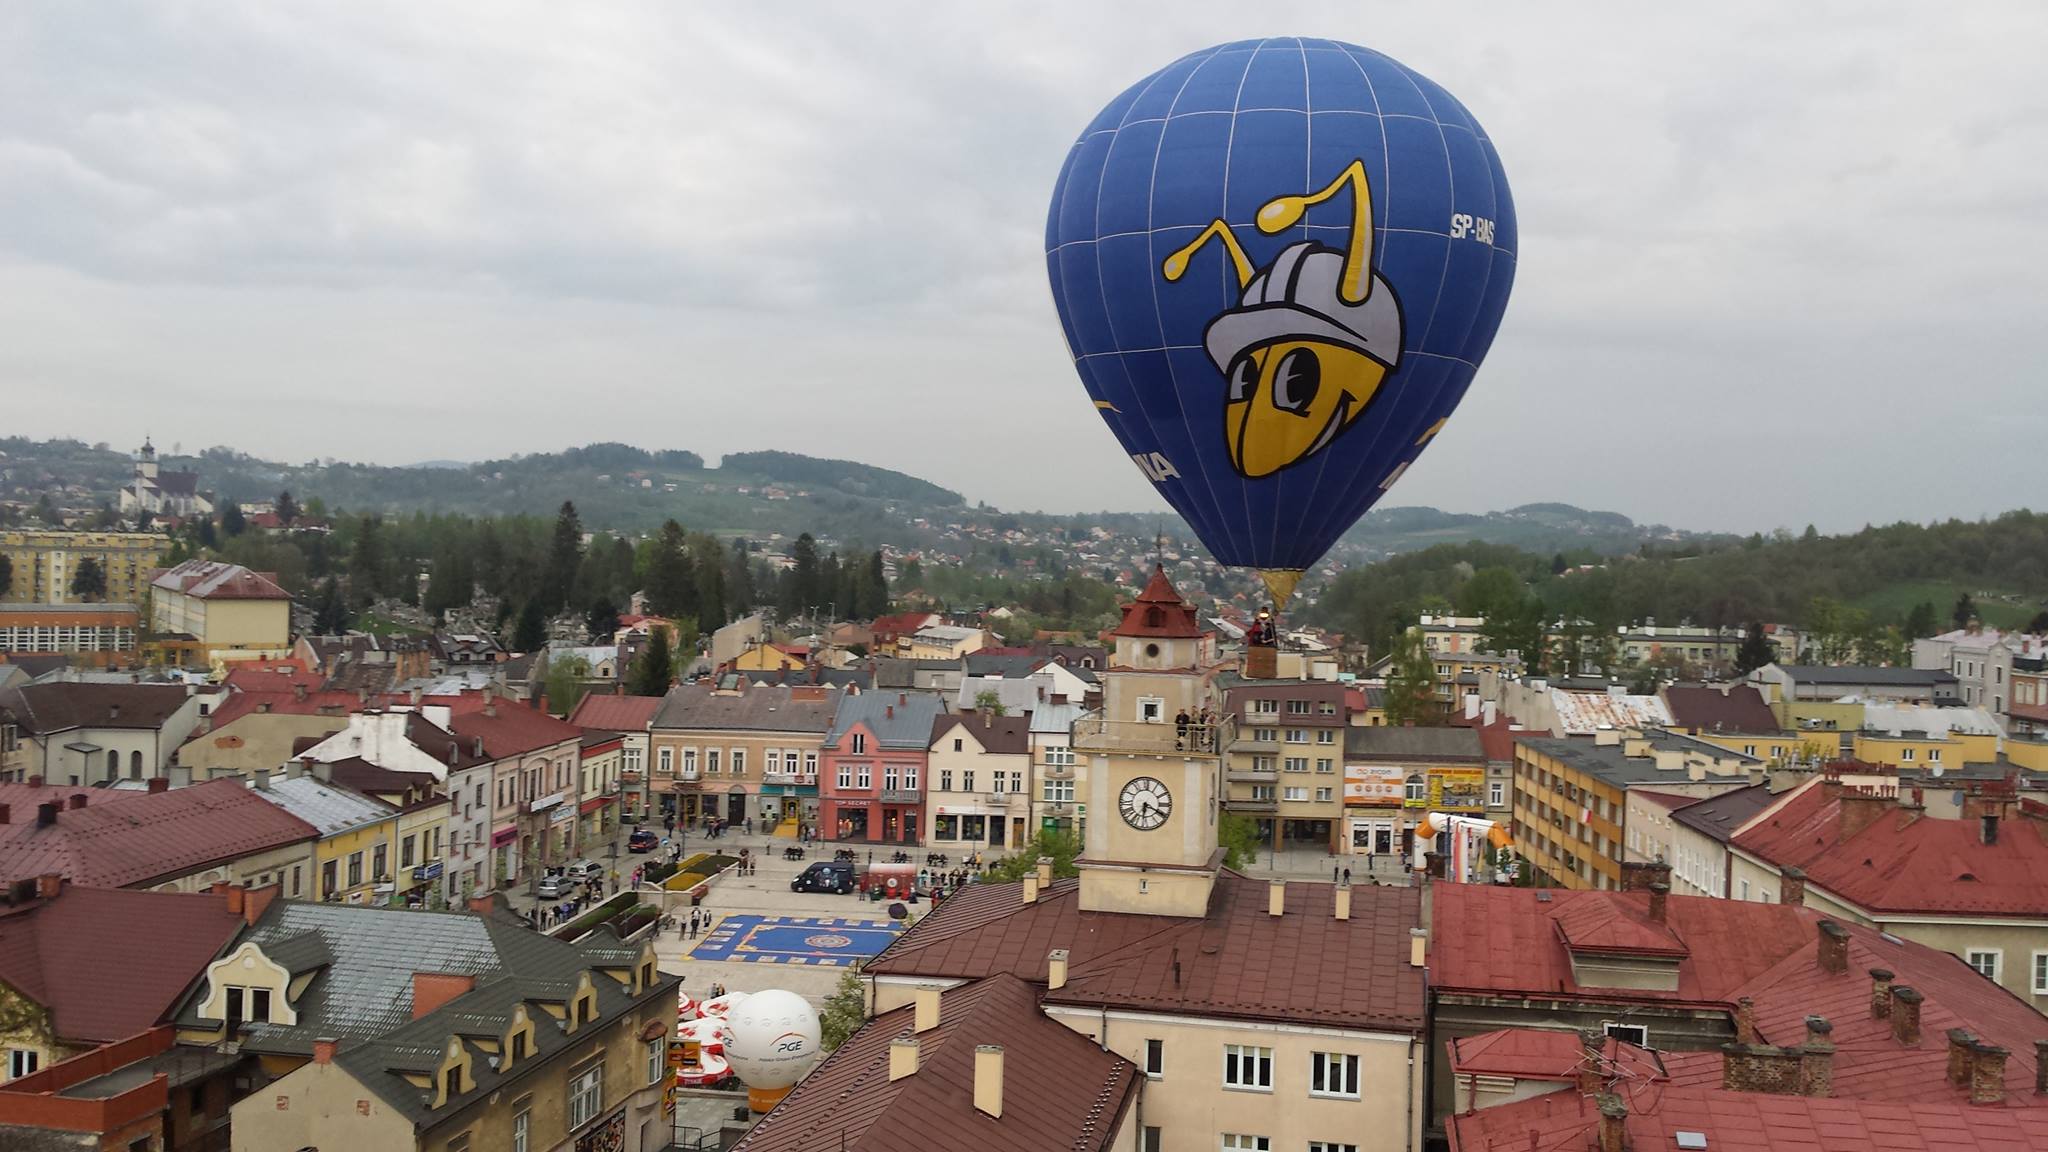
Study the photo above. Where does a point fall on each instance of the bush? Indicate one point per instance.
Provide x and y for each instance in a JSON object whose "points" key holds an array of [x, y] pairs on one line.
{"points": [[605, 911], [656, 873], [684, 881], [640, 917]]}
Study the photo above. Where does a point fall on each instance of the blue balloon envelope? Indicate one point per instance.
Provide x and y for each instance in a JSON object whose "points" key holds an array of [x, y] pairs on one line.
{"points": [[1278, 264]]}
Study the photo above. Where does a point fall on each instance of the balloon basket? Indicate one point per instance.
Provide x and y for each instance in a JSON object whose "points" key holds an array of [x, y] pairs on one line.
{"points": [[1261, 662]]}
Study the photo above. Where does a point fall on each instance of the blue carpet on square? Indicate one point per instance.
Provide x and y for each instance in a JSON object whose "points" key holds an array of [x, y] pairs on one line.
{"points": [[816, 941]]}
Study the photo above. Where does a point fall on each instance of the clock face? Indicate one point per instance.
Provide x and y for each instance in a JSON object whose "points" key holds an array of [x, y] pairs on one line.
{"points": [[1145, 803]]}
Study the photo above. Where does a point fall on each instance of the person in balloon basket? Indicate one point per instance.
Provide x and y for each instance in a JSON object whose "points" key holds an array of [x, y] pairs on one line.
{"points": [[1314, 335]]}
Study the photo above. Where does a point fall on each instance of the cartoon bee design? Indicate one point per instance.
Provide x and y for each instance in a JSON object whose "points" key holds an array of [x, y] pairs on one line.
{"points": [[1312, 339]]}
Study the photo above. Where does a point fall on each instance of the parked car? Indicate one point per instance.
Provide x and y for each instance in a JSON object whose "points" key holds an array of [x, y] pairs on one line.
{"points": [[643, 840], [552, 886], [825, 876], [581, 870]]}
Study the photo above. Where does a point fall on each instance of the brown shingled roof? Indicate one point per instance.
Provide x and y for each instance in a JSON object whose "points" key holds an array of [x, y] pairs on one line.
{"points": [[63, 705], [997, 735], [1303, 967], [1060, 1090]]}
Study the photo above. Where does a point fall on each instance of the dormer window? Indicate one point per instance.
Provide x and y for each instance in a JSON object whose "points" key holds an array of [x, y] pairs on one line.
{"points": [[451, 1082], [860, 743]]}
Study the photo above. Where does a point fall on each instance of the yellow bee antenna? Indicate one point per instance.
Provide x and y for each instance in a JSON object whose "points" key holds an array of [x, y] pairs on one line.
{"points": [[1176, 265], [1285, 211]]}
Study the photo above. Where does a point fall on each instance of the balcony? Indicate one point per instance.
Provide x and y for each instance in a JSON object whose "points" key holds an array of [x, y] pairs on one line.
{"points": [[1246, 742], [1253, 775], [1266, 804], [1164, 739]]}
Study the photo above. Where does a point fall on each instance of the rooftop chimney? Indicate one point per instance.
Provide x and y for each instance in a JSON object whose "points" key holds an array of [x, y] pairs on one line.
{"points": [[156, 784], [46, 813], [1276, 898], [1031, 887], [1906, 1015], [236, 894], [6, 813], [988, 1079], [1859, 811], [2041, 1067], [49, 885], [1660, 895], [1418, 947], [888, 711], [1055, 969], [926, 1016], [1745, 1021], [263, 779], [1343, 899], [323, 1050], [1817, 1059], [1880, 993], [1833, 953], [1987, 1074], [1044, 872], [1590, 1073], [902, 1057], [1613, 1123], [78, 800], [1961, 1045], [1792, 885], [431, 990]]}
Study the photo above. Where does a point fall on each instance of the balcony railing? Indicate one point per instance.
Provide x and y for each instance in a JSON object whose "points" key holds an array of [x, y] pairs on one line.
{"points": [[1253, 775], [1133, 736], [1251, 804]]}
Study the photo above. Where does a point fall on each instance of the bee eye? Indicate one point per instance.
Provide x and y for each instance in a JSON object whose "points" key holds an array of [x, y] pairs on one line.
{"points": [[1296, 382], [1244, 373]]}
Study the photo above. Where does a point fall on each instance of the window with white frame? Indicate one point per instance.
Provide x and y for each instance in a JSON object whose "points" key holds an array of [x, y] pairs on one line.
{"points": [[711, 761], [1330, 1146], [1155, 1058], [1297, 735], [1295, 794], [1326, 735], [1243, 1142], [1496, 793], [689, 761], [657, 1060], [2041, 973], [1263, 708], [1248, 1067], [1934, 755], [860, 743], [586, 1096], [21, 1062], [1325, 764], [772, 760], [910, 777], [1333, 1074], [846, 775], [668, 760], [1324, 794], [1415, 788], [739, 761], [1297, 764], [1987, 961], [1059, 757], [866, 774], [1636, 1034], [810, 763], [1059, 791], [891, 777], [1151, 709], [522, 1127], [1297, 707]]}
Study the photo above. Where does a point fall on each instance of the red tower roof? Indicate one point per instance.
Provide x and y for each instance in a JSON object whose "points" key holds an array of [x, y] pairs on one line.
{"points": [[1159, 612]]}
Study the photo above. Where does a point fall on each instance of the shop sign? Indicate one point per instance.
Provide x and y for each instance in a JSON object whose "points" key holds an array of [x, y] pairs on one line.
{"points": [[1457, 789], [1372, 784]]}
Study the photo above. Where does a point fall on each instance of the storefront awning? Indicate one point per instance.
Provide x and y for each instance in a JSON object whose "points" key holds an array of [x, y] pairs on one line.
{"points": [[504, 836], [593, 804]]}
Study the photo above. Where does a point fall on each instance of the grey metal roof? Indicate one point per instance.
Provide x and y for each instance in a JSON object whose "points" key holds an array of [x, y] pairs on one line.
{"points": [[1612, 764], [897, 719], [766, 708], [1719, 816], [329, 807], [1865, 674]]}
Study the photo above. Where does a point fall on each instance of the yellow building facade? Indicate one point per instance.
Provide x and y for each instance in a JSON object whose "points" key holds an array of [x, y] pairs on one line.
{"points": [[46, 561]]}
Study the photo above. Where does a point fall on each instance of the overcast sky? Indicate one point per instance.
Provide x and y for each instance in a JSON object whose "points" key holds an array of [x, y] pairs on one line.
{"points": [[1781, 263]]}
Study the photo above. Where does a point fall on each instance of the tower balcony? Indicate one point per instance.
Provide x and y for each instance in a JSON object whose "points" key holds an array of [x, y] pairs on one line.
{"points": [[1166, 738]]}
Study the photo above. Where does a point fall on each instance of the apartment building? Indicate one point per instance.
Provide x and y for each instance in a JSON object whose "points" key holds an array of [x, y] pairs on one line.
{"points": [[45, 561], [1061, 803], [738, 752], [978, 782], [1284, 766]]}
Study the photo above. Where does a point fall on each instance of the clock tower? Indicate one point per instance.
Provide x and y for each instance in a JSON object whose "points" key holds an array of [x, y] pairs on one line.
{"points": [[1153, 780]]}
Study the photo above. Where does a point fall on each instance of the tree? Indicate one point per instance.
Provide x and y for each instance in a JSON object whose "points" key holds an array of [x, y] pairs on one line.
{"points": [[1756, 650], [800, 592], [1239, 836], [1922, 622], [1411, 684], [46, 511], [565, 556], [1062, 847], [739, 578], [1835, 628], [1558, 565], [531, 633], [2038, 625], [566, 683], [1965, 611], [654, 671], [287, 509], [367, 559], [989, 700], [845, 1011], [232, 522], [6, 575], [330, 611], [669, 580], [89, 580], [602, 620]]}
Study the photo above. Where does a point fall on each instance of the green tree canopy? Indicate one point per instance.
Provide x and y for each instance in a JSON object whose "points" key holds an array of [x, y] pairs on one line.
{"points": [[653, 672], [567, 681], [1411, 684], [530, 634], [845, 1011], [1756, 650], [1239, 836], [89, 580]]}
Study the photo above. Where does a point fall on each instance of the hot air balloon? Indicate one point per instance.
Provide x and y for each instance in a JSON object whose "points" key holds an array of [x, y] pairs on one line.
{"points": [[1278, 264]]}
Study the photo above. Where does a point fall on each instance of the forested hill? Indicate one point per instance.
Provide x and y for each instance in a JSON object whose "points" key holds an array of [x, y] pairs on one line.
{"points": [[1903, 577]]}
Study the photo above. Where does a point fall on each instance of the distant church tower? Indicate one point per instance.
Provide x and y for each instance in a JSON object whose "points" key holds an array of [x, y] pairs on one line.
{"points": [[1153, 784], [145, 461]]}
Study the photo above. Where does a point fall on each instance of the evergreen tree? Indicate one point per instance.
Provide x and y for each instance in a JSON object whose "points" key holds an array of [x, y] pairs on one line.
{"points": [[89, 580], [207, 538], [232, 522], [287, 509], [602, 620], [670, 581], [1922, 621], [1558, 566], [739, 579], [800, 589], [564, 558], [531, 633], [845, 1011], [1965, 611], [2037, 626], [330, 611], [1411, 684], [6, 575], [1756, 650], [876, 603], [367, 560], [654, 671], [708, 559]]}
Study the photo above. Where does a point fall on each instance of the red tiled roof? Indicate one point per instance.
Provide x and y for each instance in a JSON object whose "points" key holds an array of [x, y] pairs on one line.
{"points": [[1902, 861], [271, 676], [1238, 961], [240, 704], [1750, 1122], [147, 837], [77, 955], [510, 729], [215, 580], [1615, 926], [615, 713], [1060, 1089], [1705, 708], [1496, 939], [1159, 612], [1541, 1054]]}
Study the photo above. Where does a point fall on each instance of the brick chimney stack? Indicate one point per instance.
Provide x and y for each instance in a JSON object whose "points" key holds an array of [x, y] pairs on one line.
{"points": [[1613, 1123], [1906, 1014], [1833, 952], [1660, 896], [1817, 1059], [1881, 993], [1961, 1045], [1792, 886], [1987, 1074], [1745, 1021]]}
